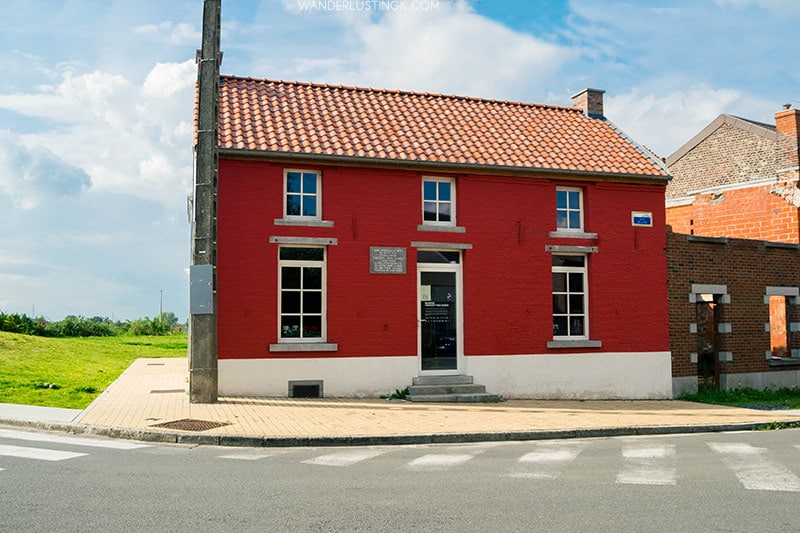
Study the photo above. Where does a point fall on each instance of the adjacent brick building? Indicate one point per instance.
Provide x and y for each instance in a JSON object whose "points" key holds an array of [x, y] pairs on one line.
{"points": [[370, 237], [734, 254], [738, 178]]}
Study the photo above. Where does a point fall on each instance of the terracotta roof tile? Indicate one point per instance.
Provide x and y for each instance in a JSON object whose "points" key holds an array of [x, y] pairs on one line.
{"points": [[316, 119]]}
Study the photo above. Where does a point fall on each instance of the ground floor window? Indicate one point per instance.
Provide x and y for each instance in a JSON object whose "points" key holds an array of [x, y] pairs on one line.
{"points": [[778, 331], [569, 297], [302, 293]]}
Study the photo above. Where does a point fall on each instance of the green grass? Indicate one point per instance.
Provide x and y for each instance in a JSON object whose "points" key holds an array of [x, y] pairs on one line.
{"points": [[783, 398], [71, 372]]}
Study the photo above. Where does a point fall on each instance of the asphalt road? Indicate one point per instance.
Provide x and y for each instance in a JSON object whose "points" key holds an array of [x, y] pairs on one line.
{"points": [[747, 481]]}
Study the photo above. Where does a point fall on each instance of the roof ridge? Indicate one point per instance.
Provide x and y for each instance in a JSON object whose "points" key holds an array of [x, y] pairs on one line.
{"points": [[357, 88], [756, 122]]}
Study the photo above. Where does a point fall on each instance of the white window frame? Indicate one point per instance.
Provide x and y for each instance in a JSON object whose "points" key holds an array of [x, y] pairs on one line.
{"points": [[568, 270], [317, 194], [301, 263], [568, 209], [438, 202]]}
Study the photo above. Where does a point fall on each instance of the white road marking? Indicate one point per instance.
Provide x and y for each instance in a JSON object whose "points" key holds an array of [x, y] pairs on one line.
{"points": [[439, 461], [547, 461], [65, 439], [344, 458], [248, 457], [754, 469], [648, 465], [39, 454]]}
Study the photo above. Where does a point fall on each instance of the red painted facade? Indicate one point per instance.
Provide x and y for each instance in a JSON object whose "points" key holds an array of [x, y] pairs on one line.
{"points": [[507, 285]]}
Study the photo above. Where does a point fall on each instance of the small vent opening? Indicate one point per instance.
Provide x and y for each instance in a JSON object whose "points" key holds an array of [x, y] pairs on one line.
{"points": [[305, 389]]}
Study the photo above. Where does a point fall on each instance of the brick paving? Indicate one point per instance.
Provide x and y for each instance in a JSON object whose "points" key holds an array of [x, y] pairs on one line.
{"points": [[155, 391]]}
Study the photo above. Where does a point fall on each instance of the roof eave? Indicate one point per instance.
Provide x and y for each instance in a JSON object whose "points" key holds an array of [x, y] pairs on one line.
{"points": [[473, 168]]}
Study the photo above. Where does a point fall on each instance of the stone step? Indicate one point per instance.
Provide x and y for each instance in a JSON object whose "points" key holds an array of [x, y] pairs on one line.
{"points": [[459, 379], [427, 390], [456, 398]]}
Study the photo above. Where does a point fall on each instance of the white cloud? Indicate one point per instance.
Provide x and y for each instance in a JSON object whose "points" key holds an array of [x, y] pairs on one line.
{"points": [[170, 32], [166, 79], [30, 174], [128, 139], [778, 6], [664, 122], [92, 254], [451, 50]]}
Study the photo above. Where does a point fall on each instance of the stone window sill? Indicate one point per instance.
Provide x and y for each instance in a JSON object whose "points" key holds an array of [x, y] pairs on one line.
{"points": [[441, 228], [301, 222], [572, 235], [304, 347], [584, 343], [784, 361]]}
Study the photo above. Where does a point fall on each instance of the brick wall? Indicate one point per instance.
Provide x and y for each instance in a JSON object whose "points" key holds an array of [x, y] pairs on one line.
{"points": [[747, 213], [507, 278], [747, 268], [728, 155]]}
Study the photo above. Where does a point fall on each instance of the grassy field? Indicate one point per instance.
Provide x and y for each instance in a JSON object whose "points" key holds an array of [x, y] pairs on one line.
{"points": [[71, 372]]}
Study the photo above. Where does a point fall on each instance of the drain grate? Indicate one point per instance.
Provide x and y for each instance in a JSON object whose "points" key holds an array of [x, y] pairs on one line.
{"points": [[190, 424]]}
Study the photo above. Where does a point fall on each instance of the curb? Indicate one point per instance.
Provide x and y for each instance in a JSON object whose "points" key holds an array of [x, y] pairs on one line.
{"points": [[167, 437]]}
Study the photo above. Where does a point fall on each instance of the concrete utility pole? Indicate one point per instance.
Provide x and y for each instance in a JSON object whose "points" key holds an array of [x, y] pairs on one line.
{"points": [[203, 377]]}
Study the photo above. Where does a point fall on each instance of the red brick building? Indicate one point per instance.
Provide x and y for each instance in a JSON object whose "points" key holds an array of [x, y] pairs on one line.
{"points": [[367, 238], [738, 178], [733, 259]]}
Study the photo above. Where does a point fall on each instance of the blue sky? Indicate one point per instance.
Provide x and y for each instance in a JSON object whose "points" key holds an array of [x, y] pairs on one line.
{"points": [[96, 105]]}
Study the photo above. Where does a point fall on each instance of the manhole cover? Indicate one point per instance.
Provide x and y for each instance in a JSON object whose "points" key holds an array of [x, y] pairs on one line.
{"points": [[189, 424]]}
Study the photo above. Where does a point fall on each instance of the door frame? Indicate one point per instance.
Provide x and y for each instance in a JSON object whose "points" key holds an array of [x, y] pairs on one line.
{"points": [[457, 270]]}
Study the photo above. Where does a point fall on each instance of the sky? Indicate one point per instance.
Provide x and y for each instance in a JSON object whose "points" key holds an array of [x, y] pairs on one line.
{"points": [[96, 103]]}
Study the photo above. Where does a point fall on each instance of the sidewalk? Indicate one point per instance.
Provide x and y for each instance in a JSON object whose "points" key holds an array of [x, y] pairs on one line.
{"points": [[153, 392]]}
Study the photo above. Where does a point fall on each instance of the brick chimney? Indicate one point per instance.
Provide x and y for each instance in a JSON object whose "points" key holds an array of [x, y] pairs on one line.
{"points": [[591, 101], [787, 123]]}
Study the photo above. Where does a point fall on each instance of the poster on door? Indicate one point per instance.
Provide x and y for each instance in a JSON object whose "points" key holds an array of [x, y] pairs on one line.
{"points": [[436, 312]]}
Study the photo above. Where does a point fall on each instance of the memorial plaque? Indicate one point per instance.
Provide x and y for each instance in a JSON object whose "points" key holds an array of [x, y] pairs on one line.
{"points": [[387, 260]]}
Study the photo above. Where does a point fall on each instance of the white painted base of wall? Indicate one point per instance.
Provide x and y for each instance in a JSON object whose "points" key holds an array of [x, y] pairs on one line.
{"points": [[761, 380], [344, 377], [633, 375], [753, 380], [683, 384], [592, 376]]}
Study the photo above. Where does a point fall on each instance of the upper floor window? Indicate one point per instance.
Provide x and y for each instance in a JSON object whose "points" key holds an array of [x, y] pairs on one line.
{"points": [[569, 209], [303, 195], [438, 201]]}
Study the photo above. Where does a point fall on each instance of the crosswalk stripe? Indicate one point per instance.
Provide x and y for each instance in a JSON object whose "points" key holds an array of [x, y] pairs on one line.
{"points": [[343, 458], [648, 465], [65, 439], [754, 469], [434, 461], [40, 454], [546, 462], [247, 457]]}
